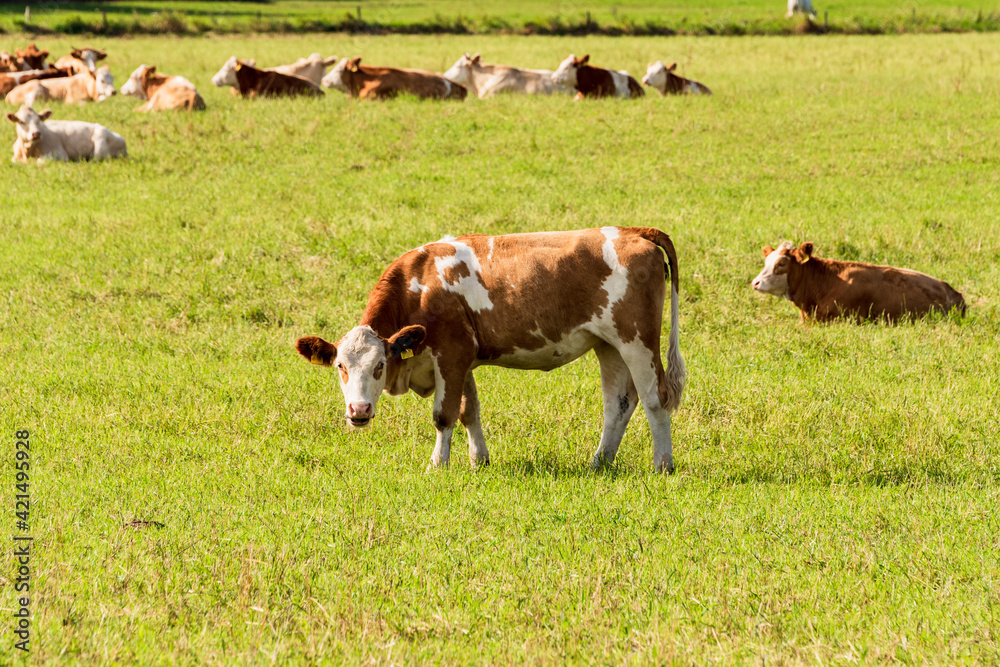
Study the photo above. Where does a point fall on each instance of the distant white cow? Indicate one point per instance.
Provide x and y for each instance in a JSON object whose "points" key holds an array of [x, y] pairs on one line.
{"points": [[312, 69], [62, 139], [488, 80], [801, 6]]}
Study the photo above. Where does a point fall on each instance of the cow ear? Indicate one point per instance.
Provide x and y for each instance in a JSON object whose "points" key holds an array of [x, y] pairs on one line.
{"points": [[584, 60], [101, 55], [671, 67], [12, 117], [407, 342], [150, 71], [353, 63], [44, 114], [316, 350], [475, 57], [804, 252], [768, 250], [75, 52]]}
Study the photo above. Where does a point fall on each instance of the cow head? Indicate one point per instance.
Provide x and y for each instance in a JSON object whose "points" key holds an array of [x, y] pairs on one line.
{"points": [[565, 75], [136, 84], [104, 84], [778, 264], [366, 364], [227, 75], [31, 58], [89, 55], [8, 63], [29, 124], [657, 75], [335, 78], [461, 71]]}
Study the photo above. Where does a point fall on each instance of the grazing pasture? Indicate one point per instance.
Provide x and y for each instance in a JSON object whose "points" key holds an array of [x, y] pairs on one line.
{"points": [[837, 485]]}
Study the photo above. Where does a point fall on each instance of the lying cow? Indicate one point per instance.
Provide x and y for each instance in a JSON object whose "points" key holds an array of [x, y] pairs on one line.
{"points": [[524, 301], [162, 92], [12, 80], [311, 69], [31, 58], [62, 139], [379, 83], [89, 86], [595, 82], [488, 80], [664, 80], [825, 289], [8, 62], [82, 60], [253, 82]]}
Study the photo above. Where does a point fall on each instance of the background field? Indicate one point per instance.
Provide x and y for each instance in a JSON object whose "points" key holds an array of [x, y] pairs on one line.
{"points": [[837, 486]]}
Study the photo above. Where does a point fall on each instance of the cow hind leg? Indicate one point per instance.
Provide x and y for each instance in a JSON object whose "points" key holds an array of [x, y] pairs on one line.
{"points": [[469, 416], [620, 401], [651, 385]]}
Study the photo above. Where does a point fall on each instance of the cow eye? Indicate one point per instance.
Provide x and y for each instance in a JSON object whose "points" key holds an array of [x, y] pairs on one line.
{"points": [[380, 366]]}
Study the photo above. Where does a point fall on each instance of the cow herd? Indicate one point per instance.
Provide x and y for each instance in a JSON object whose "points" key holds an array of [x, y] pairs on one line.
{"points": [[524, 301]]}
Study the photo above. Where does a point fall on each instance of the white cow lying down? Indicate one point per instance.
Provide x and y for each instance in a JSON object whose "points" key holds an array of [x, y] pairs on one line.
{"points": [[62, 139]]}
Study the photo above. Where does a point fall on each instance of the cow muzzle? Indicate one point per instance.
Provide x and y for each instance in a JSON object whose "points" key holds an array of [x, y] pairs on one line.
{"points": [[360, 414]]}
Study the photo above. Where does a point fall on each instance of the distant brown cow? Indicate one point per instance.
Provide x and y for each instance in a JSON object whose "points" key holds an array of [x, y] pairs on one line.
{"points": [[82, 60], [662, 78], [379, 83], [31, 58], [522, 301], [255, 82], [825, 289], [595, 82], [12, 80]]}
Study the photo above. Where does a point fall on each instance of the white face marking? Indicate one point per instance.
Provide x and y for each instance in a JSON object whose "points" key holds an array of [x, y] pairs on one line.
{"points": [[335, 77], [460, 72], [134, 86], [565, 74], [469, 287], [617, 283], [656, 76], [361, 356], [227, 75], [416, 287], [105, 84], [770, 282]]}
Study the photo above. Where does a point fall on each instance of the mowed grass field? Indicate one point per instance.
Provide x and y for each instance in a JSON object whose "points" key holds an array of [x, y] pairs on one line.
{"points": [[837, 486]]}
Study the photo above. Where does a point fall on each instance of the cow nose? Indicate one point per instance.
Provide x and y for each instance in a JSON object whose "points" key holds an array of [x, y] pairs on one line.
{"points": [[756, 283], [359, 410], [35, 135], [644, 82]]}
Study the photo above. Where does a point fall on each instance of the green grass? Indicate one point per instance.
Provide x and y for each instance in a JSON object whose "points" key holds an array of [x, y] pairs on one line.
{"points": [[836, 488], [702, 17]]}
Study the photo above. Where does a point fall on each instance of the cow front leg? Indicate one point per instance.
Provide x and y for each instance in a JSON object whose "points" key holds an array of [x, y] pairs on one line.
{"points": [[651, 385], [469, 415], [449, 383], [620, 401]]}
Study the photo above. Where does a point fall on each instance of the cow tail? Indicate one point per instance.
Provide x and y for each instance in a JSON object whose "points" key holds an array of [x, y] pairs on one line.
{"points": [[676, 373]]}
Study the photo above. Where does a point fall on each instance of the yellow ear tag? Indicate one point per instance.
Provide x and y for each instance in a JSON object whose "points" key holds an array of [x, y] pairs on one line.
{"points": [[316, 360], [805, 260], [406, 354]]}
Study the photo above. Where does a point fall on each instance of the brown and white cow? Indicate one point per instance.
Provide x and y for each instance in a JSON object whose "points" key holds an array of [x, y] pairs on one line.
{"points": [[486, 80], [254, 82], [378, 83], [82, 60], [662, 78], [523, 301], [31, 58], [162, 92], [10, 81], [311, 68], [86, 87], [8, 62], [595, 82], [825, 289]]}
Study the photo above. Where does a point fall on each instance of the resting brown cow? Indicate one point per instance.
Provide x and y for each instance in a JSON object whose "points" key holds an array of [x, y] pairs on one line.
{"points": [[255, 82], [522, 301], [379, 83], [595, 82], [10, 81], [826, 289]]}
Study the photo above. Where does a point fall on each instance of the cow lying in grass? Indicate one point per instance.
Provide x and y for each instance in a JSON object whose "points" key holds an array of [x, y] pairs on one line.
{"points": [[825, 289], [12, 80], [89, 86], [523, 301], [378, 83], [254, 82], [310, 69], [62, 139], [82, 60], [488, 80], [595, 82], [162, 92], [31, 58], [663, 79]]}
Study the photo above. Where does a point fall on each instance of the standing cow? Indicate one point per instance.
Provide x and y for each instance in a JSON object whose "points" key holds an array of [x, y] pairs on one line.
{"points": [[524, 301]]}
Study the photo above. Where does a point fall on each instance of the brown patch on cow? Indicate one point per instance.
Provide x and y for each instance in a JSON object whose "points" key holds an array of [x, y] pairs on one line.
{"points": [[453, 274], [32, 57], [598, 82]]}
